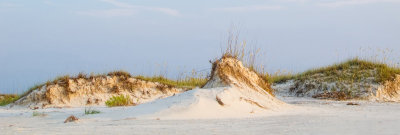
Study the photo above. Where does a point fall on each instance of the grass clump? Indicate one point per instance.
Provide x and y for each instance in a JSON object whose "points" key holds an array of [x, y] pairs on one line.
{"points": [[189, 82], [120, 73], [7, 99], [120, 100], [41, 114], [89, 111]]}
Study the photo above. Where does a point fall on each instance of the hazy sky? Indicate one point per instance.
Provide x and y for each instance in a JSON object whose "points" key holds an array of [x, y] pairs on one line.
{"points": [[42, 39]]}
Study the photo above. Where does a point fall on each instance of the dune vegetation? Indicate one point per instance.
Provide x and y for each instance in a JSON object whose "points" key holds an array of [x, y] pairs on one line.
{"points": [[6, 99], [352, 79], [356, 68], [120, 100]]}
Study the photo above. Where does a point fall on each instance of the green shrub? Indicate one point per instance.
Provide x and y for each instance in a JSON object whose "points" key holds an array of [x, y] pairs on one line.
{"points": [[120, 100]]}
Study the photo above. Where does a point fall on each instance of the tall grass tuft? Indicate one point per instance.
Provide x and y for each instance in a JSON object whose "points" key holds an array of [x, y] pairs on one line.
{"points": [[120, 100], [237, 48]]}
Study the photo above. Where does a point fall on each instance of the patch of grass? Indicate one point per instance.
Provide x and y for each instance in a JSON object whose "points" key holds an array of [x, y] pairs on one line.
{"points": [[353, 70], [91, 111], [7, 99], [41, 114], [120, 100], [120, 73], [189, 82]]}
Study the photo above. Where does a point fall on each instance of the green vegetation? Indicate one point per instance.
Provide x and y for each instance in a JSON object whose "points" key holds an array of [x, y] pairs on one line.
{"points": [[41, 114], [120, 100], [188, 82], [353, 70], [91, 111], [7, 99]]}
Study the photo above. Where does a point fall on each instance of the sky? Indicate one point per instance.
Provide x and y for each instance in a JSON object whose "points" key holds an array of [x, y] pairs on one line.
{"points": [[43, 39]]}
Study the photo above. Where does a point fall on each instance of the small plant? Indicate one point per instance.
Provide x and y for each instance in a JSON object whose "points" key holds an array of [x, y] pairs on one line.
{"points": [[91, 111], [120, 100], [41, 114]]}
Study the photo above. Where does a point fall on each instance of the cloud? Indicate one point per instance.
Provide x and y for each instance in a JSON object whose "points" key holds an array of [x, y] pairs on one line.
{"points": [[342, 3], [248, 8], [125, 9]]}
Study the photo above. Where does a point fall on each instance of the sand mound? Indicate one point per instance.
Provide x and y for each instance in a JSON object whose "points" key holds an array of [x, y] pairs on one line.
{"points": [[250, 87], [233, 91], [78, 92], [389, 92], [353, 79]]}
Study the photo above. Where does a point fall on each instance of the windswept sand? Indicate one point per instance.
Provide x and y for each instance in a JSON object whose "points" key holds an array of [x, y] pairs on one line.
{"points": [[309, 117]]}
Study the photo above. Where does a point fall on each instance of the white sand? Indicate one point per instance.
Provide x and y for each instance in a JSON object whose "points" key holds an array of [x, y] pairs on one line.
{"points": [[202, 104], [309, 117]]}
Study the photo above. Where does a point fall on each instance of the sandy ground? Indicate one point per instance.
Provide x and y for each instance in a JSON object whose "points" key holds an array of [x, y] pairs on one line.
{"points": [[308, 117]]}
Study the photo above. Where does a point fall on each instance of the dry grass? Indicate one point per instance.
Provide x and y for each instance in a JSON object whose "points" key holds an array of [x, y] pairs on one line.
{"points": [[188, 82], [120, 73], [238, 49], [336, 95]]}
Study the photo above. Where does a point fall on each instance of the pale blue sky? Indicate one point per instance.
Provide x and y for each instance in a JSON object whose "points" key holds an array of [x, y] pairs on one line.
{"points": [[42, 39]]}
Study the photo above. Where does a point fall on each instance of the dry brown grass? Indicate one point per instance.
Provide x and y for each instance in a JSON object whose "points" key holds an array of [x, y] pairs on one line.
{"points": [[334, 95]]}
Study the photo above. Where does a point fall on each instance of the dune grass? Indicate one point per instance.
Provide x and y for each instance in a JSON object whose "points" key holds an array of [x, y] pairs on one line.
{"points": [[41, 114], [189, 82], [237, 48], [357, 69], [89, 111], [7, 99], [120, 100]]}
